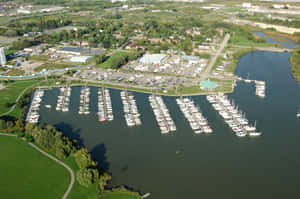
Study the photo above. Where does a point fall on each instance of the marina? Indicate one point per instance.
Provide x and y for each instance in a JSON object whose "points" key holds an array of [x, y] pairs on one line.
{"points": [[63, 99], [162, 115], [193, 114], [105, 112], [33, 112], [232, 116], [131, 114], [84, 107], [268, 164]]}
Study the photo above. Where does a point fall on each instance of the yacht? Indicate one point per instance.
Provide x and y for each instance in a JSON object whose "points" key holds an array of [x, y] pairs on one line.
{"points": [[253, 134]]}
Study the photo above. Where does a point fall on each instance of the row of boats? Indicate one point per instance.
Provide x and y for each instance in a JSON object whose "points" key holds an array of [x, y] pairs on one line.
{"points": [[233, 117], [84, 107], [132, 115], [105, 112], [162, 115], [193, 114], [260, 88], [63, 100], [33, 112]]}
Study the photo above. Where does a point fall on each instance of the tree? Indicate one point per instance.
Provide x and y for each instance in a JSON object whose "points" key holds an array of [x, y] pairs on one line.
{"points": [[104, 179], [83, 159], [87, 176], [117, 61], [3, 124]]}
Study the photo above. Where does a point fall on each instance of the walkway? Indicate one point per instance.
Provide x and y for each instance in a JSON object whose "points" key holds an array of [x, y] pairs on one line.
{"points": [[56, 160], [18, 98]]}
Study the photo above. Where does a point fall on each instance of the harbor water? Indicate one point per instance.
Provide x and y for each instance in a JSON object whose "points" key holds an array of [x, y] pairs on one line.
{"points": [[182, 164]]}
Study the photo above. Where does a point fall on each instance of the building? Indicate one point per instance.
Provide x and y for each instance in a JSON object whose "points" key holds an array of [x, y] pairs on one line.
{"points": [[153, 58], [191, 59], [75, 51], [81, 59], [246, 5], [2, 57]]}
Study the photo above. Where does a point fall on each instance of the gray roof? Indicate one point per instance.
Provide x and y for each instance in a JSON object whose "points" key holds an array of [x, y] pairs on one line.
{"points": [[84, 51], [190, 58], [152, 58]]}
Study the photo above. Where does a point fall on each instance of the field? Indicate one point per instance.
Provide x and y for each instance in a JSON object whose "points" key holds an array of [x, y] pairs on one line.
{"points": [[9, 94], [27, 174]]}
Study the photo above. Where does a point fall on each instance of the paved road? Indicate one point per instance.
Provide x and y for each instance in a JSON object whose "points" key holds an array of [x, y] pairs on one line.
{"points": [[206, 73], [56, 160], [62, 164]]}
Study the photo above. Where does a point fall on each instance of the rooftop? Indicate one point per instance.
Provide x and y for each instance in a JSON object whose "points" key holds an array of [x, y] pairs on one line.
{"points": [[152, 58]]}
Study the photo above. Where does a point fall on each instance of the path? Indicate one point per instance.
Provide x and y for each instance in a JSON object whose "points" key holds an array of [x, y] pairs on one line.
{"points": [[18, 98], [214, 59], [56, 160]]}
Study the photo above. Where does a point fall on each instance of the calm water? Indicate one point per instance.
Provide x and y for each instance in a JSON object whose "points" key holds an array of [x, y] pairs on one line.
{"points": [[184, 165]]}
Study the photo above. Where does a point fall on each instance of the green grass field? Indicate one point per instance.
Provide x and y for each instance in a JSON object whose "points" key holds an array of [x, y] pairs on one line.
{"points": [[27, 174], [10, 93]]}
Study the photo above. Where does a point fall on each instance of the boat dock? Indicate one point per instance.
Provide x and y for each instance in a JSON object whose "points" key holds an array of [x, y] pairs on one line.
{"points": [[105, 112], [260, 88], [162, 114], [84, 106], [132, 115], [33, 115], [259, 85], [63, 99], [194, 116], [233, 117]]}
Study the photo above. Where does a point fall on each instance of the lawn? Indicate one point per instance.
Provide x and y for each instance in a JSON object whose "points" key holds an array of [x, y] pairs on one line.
{"points": [[26, 173], [108, 61], [11, 92]]}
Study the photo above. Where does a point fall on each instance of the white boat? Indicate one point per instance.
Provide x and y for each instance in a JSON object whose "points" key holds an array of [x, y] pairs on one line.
{"points": [[253, 134], [48, 106]]}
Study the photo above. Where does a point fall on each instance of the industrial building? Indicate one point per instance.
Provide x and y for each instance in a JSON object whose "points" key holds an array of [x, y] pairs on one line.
{"points": [[80, 51], [153, 58], [81, 59], [2, 57]]}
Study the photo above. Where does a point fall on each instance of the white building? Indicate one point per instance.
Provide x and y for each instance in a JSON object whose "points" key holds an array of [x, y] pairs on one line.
{"points": [[113, 1], [152, 58], [81, 59], [2, 57], [246, 5], [23, 11]]}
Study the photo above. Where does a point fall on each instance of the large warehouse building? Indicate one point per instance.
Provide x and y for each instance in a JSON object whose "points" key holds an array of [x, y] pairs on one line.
{"points": [[153, 58]]}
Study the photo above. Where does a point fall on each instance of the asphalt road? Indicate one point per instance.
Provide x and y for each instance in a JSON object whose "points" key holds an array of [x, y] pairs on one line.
{"points": [[206, 73]]}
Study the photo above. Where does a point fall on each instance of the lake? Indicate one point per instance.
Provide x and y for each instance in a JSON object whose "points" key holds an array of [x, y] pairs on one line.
{"points": [[185, 165]]}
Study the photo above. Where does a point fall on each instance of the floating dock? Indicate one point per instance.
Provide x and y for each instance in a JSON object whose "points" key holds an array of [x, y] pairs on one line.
{"points": [[194, 116], [132, 115], [84, 106], [63, 99], [162, 114], [232, 116], [105, 112], [33, 112]]}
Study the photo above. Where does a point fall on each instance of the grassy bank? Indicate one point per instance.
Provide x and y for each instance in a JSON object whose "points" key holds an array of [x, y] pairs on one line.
{"points": [[27, 174], [10, 93], [295, 64]]}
